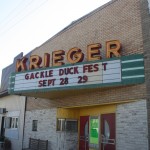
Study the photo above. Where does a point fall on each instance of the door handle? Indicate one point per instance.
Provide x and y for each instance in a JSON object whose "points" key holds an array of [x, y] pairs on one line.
{"points": [[84, 138], [106, 140]]}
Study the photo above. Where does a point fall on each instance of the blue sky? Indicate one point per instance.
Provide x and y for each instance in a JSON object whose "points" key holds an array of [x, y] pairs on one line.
{"points": [[26, 24]]}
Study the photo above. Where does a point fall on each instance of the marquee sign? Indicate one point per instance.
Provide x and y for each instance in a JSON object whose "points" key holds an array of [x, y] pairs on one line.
{"points": [[108, 72]]}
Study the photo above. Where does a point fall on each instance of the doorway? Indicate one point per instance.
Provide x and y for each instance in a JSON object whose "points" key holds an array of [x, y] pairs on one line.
{"points": [[106, 135]]}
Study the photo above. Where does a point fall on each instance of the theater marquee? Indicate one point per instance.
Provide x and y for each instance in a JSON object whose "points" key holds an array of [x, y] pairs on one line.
{"points": [[108, 72]]}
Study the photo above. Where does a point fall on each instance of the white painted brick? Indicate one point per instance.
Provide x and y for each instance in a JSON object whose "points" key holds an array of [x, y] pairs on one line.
{"points": [[131, 126], [47, 130]]}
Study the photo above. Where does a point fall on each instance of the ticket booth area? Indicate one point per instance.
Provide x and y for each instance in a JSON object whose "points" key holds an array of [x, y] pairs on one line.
{"points": [[96, 126]]}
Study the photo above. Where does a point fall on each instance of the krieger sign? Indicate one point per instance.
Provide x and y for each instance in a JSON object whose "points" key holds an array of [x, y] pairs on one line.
{"points": [[96, 73], [74, 55]]}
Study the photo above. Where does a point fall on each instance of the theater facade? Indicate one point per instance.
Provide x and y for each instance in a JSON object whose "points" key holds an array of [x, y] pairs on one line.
{"points": [[87, 87]]}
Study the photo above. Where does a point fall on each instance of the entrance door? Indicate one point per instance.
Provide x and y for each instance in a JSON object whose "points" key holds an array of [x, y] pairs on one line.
{"points": [[84, 133], [108, 127]]}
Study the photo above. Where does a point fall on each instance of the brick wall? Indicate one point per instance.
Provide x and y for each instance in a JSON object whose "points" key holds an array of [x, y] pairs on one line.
{"points": [[46, 130], [119, 19], [124, 20], [145, 15], [90, 97], [131, 126], [116, 20]]}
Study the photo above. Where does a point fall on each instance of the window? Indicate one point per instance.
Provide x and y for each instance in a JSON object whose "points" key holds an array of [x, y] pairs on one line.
{"points": [[149, 5], [68, 125], [60, 124], [14, 122], [7, 124], [71, 125], [94, 132], [11, 122], [34, 125], [16, 125]]}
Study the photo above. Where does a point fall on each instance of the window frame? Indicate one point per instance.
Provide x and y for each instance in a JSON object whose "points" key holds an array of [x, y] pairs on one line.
{"points": [[14, 123], [34, 125], [66, 125]]}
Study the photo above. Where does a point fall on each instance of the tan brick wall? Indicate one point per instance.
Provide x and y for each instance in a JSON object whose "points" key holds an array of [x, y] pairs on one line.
{"points": [[91, 97], [118, 20], [121, 20], [145, 15]]}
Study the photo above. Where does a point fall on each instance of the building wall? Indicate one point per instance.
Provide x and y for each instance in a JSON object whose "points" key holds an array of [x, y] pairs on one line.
{"points": [[46, 130], [15, 107], [46, 126], [131, 126], [118, 19], [145, 15], [121, 20], [91, 97]]}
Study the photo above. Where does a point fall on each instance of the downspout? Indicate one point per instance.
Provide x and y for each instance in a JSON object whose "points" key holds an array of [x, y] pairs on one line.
{"points": [[24, 121]]}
